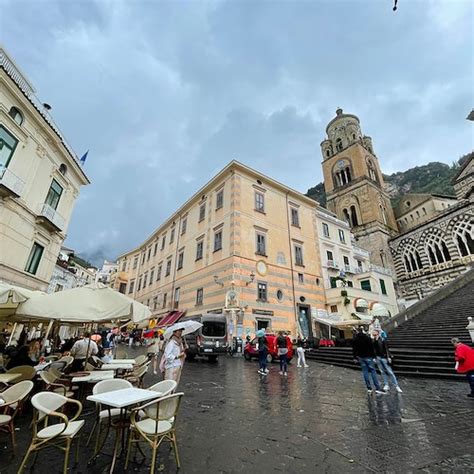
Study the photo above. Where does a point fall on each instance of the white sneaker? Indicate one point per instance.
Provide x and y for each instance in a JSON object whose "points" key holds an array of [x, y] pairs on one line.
{"points": [[398, 389], [379, 392], [261, 372], [281, 373], [155, 372], [286, 374], [266, 371], [299, 366], [306, 366], [369, 391], [386, 388]]}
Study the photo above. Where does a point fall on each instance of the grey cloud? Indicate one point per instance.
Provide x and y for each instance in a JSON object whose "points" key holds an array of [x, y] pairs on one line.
{"points": [[166, 93]]}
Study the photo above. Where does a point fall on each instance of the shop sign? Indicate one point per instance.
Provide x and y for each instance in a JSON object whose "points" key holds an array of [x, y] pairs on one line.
{"points": [[263, 312]]}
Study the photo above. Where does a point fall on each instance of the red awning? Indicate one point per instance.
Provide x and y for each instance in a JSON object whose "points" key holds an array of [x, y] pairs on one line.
{"points": [[170, 319]]}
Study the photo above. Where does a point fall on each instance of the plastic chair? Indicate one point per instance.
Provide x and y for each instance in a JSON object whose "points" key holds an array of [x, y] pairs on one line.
{"points": [[105, 415], [68, 359], [136, 377], [26, 372], [60, 434], [140, 360], [156, 427], [51, 380], [13, 398]]}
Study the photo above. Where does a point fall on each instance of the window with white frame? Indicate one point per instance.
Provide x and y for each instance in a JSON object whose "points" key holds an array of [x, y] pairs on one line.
{"points": [[295, 218], [199, 250], [8, 144], [261, 291], [218, 240], [202, 211], [219, 199], [54, 194], [199, 296], [298, 255], [261, 240], [342, 236], [180, 260], [259, 202], [168, 267], [184, 224], [34, 259], [325, 230]]}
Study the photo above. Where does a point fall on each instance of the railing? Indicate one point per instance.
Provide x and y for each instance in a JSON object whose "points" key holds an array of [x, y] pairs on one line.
{"points": [[20, 80], [54, 217], [382, 270], [332, 264], [360, 252], [349, 269], [11, 181], [359, 270]]}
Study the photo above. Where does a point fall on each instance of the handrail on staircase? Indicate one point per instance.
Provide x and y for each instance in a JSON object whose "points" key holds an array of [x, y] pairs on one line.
{"points": [[429, 301]]}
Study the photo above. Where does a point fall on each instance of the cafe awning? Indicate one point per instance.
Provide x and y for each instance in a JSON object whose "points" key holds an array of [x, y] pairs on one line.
{"points": [[171, 318], [361, 303]]}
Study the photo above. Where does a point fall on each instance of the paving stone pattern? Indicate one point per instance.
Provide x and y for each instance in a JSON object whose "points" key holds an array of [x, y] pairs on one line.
{"points": [[318, 419]]}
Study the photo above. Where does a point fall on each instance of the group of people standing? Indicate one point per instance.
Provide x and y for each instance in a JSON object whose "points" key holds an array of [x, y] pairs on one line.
{"points": [[369, 351]]}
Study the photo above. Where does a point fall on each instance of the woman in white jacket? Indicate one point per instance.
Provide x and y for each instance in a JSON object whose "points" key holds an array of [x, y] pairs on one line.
{"points": [[174, 356]]}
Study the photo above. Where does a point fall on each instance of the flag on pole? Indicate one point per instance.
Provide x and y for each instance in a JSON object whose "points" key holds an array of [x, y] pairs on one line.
{"points": [[84, 157]]}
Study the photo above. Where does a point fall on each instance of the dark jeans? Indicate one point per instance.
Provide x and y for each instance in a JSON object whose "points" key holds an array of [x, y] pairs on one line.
{"points": [[262, 359], [368, 370], [470, 379], [77, 365], [283, 362]]}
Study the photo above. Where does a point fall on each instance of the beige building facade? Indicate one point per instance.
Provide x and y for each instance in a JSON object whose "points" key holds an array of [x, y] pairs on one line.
{"points": [[40, 179], [242, 232]]}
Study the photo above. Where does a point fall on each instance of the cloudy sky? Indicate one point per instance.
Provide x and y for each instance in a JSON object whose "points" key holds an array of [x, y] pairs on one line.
{"points": [[165, 94]]}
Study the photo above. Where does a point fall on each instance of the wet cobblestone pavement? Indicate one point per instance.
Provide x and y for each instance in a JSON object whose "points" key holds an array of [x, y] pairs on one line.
{"points": [[318, 419]]}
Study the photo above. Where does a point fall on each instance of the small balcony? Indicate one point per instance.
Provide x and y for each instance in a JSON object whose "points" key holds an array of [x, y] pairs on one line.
{"points": [[349, 269], [10, 184], [51, 219], [332, 264]]}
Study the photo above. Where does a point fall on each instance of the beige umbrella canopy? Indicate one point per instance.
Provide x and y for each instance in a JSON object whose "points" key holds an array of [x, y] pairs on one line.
{"points": [[90, 303], [11, 296]]}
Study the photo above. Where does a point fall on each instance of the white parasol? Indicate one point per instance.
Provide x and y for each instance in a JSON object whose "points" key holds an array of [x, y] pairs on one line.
{"points": [[188, 327]]}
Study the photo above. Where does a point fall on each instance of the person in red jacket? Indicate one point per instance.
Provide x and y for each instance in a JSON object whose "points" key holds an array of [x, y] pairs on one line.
{"points": [[464, 356]]}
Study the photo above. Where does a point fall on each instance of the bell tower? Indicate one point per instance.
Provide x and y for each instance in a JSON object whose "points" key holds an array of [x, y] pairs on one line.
{"points": [[355, 188]]}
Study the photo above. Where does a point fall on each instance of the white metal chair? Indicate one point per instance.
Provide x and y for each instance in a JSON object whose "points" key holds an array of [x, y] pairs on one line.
{"points": [[137, 375], [60, 434], [13, 398], [165, 387], [156, 427], [51, 381], [105, 415]]}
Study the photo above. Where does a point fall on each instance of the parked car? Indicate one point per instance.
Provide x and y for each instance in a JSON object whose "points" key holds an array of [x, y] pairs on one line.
{"points": [[210, 340], [251, 348]]}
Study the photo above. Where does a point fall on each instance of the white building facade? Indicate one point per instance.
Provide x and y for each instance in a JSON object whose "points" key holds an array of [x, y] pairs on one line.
{"points": [[355, 289]]}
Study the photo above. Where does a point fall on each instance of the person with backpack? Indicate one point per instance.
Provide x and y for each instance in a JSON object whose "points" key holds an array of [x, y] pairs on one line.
{"points": [[262, 352]]}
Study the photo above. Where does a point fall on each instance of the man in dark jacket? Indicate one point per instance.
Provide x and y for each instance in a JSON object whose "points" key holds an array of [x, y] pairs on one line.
{"points": [[364, 353], [382, 358]]}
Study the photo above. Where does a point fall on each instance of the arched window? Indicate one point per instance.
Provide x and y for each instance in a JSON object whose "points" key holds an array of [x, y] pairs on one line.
{"points": [[339, 144], [372, 172], [463, 232], [346, 216], [16, 115], [437, 249], [63, 169], [412, 259], [354, 220], [328, 153], [383, 212]]}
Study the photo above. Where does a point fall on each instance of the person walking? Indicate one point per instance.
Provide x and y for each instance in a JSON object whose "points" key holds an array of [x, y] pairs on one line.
{"points": [[282, 353], [383, 361], [364, 353], [82, 350], [173, 357], [464, 356], [262, 352], [300, 351], [154, 348]]}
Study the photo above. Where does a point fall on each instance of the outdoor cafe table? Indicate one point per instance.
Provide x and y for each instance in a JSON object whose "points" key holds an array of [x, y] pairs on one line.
{"points": [[122, 361], [94, 376], [116, 367], [122, 399], [7, 378]]}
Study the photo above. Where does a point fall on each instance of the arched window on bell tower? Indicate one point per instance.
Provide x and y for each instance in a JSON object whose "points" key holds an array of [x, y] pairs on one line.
{"points": [[355, 221], [347, 217], [339, 146]]}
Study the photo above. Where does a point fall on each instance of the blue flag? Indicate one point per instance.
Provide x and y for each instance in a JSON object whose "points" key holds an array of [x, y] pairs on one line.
{"points": [[84, 157]]}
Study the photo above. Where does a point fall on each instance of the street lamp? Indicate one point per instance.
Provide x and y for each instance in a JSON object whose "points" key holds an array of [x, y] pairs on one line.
{"points": [[252, 278]]}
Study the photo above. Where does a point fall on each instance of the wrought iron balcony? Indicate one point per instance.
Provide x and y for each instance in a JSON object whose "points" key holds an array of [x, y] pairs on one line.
{"points": [[50, 218], [10, 183]]}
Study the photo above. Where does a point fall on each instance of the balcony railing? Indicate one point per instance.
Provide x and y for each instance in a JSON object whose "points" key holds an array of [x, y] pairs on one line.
{"points": [[332, 264], [53, 217], [382, 270], [349, 269], [11, 183], [360, 252]]}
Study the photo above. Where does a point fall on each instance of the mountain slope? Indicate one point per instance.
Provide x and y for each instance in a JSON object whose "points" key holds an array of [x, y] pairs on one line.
{"points": [[433, 178]]}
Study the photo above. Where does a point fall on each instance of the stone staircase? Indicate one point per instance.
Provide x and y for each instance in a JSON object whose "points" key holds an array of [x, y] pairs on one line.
{"points": [[419, 338]]}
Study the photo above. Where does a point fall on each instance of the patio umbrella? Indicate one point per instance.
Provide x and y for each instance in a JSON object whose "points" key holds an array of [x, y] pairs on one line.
{"points": [[11, 296], [188, 327], [90, 303]]}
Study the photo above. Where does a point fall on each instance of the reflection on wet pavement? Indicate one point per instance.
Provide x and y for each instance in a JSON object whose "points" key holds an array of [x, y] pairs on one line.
{"points": [[319, 419]]}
